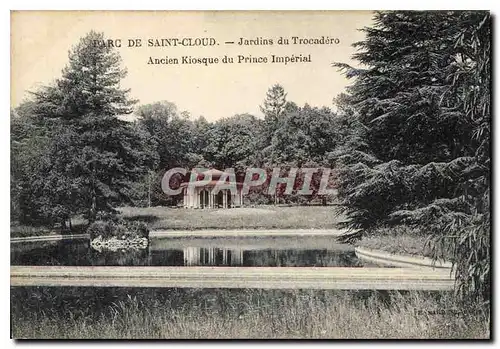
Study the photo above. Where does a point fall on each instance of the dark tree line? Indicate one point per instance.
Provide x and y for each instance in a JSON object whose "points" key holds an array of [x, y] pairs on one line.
{"points": [[288, 136], [74, 155]]}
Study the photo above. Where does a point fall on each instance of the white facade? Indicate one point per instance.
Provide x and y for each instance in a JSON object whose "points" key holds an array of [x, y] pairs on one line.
{"points": [[205, 197]]}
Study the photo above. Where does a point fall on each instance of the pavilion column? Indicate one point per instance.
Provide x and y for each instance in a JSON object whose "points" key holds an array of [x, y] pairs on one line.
{"points": [[212, 259]]}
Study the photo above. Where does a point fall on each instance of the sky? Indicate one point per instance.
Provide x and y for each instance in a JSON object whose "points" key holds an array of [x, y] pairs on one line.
{"points": [[40, 41]]}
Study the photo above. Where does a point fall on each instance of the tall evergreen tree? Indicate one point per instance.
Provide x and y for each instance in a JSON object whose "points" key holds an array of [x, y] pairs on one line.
{"points": [[93, 154], [420, 152], [273, 109]]}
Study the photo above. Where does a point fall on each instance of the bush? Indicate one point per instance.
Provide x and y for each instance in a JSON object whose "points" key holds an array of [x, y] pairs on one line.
{"points": [[118, 228]]}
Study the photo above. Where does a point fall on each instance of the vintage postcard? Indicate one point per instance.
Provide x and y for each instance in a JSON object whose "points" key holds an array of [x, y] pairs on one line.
{"points": [[250, 174]]}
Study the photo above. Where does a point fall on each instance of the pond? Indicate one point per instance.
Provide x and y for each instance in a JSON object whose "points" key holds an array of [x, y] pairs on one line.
{"points": [[246, 252]]}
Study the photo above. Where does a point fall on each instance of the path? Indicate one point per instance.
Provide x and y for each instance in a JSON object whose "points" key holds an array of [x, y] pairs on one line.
{"points": [[235, 277], [396, 260], [246, 232]]}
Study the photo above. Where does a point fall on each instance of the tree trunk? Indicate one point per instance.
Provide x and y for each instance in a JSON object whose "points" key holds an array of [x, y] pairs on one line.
{"points": [[63, 225], [149, 189], [93, 207], [93, 198]]}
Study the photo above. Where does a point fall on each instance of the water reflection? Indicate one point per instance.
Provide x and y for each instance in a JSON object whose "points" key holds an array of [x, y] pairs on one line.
{"points": [[132, 257], [212, 256], [80, 253]]}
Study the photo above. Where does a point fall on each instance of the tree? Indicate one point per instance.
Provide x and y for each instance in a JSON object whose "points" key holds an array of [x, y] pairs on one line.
{"points": [[273, 109], [28, 146], [419, 153], [93, 155], [233, 142], [179, 142], [305, 134]]}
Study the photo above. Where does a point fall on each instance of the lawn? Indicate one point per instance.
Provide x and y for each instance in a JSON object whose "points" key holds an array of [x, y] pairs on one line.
{"points": [[265, 217], [261, 217]]}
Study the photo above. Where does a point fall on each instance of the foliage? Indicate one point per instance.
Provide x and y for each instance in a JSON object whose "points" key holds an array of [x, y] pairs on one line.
{"points": [[233, 142], [28, 144], [171, 131], [305, 134], [419, 154], [273, 108], [90, 156], [118, 228]]}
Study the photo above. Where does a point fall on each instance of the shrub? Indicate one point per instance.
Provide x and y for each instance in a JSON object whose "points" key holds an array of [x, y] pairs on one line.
{"points": [[118, 228]]}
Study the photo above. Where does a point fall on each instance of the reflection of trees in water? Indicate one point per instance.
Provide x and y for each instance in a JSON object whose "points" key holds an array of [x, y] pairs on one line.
{"points": [[79, 253], [214, 256], [167, 257], [64, 252], [301, 258], [129, 257]]}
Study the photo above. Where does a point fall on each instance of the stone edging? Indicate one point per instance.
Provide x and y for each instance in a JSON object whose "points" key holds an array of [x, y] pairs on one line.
{"points": [[245, 232], [396, 260], [49, 238]]}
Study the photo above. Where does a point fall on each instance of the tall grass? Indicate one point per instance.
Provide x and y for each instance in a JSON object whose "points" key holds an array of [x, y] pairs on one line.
{"points": [[243, 313]]}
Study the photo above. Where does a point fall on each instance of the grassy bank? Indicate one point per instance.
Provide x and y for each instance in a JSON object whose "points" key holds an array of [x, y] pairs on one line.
{"points": [[399, 240], [261, 217], [79, 226], [270, 217], [192, 313]]}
